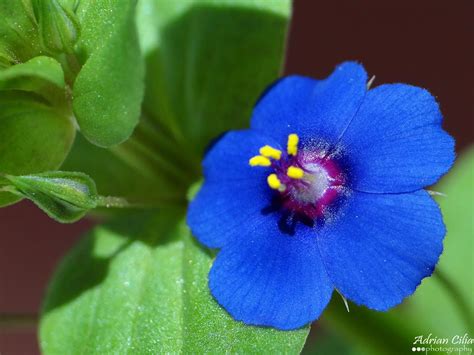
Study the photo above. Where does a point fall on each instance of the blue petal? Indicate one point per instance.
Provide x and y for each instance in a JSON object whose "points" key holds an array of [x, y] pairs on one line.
{"points": [[272, 279], [381, 246], [228, 160], [396, 142], [233, 195], [311, 108]]}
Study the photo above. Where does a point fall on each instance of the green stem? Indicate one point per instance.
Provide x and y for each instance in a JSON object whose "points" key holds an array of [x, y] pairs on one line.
{"points": [[461, 303], [111, 201], [71, 67], [73, 64], [147, 160], [167, 120], [158, 140], [18, 320], [120, 202], [7, 188]]}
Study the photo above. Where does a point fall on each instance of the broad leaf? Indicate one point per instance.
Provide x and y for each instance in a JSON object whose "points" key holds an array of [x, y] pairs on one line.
{"points": [[139, 285], [207, 63], [19, 40], [129, 170], [42, 75], [33, 137], [96, 41], [109, 88]]}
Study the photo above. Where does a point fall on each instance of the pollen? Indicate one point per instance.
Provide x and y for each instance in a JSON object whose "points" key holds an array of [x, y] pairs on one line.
{"points": [[270, 152], [292, 145], [259, 160], [295, 172], [275, 183]]}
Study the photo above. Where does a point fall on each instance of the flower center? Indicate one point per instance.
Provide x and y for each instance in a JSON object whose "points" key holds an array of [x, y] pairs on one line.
{"points": [[306, 180], [313, 185]]}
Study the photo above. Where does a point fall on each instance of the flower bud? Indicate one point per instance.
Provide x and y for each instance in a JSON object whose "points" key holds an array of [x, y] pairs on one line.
{"points": [[59, 28], [64, 196]]}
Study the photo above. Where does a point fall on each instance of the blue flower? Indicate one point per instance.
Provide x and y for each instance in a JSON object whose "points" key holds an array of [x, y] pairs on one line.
{"points": [[324, 192]]}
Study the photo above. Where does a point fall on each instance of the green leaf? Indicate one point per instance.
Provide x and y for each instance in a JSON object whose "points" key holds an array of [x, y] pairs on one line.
{"points": [[139, 285], [44, 68], [64, 196], [153, 166], [33, 137], [109, 88], [42, 75], [374, 332], [58, 26], [207, 63], [128, 170], [19, 40]]}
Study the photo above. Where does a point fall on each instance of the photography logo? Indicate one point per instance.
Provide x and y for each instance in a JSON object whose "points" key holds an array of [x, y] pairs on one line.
{"points": [[457, 344]]}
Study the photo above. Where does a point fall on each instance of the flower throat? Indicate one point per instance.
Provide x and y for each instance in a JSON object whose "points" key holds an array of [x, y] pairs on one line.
{"points": [[306, 180]]}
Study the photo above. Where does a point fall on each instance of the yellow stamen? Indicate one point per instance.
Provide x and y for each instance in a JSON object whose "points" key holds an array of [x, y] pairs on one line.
{"points": [[274, 182], [295, 172], [258, 160], [270, 152], [292, 145]]}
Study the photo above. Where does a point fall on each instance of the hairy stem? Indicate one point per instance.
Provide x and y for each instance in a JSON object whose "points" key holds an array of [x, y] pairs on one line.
{"points": [[120, 202]]}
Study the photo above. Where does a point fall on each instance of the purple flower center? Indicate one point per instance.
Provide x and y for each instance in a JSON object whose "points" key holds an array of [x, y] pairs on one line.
{"points": [[320, 185], [307, 181]]}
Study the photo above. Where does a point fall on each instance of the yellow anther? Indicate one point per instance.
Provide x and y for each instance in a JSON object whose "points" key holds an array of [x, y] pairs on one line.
{"points": [[295, 172], [274, 182], [258, 160], [292, 145], [270, 152]]}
